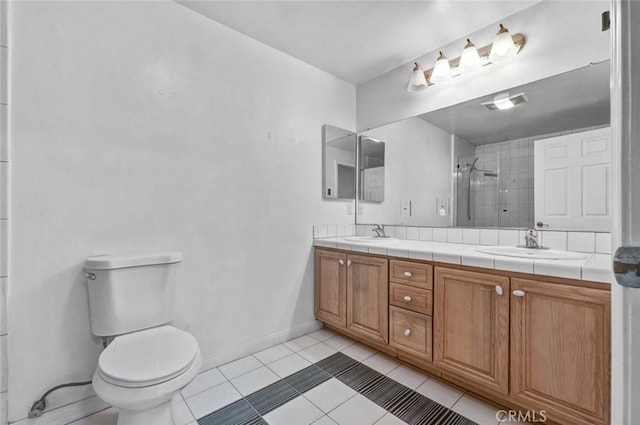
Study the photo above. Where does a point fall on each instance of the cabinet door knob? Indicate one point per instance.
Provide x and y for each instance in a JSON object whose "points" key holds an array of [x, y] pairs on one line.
{"points": [[518, 293], [407, 274], [348, 263], [499, 290], [341, 261], [407, 298], [407, 332]]}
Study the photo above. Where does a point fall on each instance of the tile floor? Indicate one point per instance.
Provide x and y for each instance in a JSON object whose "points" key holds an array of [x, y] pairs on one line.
{"points": [[322, 379]]}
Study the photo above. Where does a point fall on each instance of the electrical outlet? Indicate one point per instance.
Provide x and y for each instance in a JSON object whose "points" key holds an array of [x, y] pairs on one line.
{"points": [[349, 208], [406, 208], [442, 206], [360, 209]]}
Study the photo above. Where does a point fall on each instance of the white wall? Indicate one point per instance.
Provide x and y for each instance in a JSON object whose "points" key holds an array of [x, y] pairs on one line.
{"points": [[561, 36], [145, 126], [417, 169]]}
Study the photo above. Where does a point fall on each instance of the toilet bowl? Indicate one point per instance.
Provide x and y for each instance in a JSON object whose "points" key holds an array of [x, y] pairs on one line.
{"points": [[141, 372]]}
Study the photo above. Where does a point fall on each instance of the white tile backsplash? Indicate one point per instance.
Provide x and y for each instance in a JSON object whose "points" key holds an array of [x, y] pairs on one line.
{"points": [[572, 241], [471, 236], [454, 235], [439, 234], [603, 243], [413, 233], [489, 237], [426, 234], [509, 237], [554, 240], [581, 241]]}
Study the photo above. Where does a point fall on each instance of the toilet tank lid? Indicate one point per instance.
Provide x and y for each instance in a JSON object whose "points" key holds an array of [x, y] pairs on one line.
{"points": [[106, 262]]}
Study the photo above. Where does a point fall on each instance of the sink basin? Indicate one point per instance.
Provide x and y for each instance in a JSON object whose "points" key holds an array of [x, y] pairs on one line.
{"points": [[370, 239], [538, 254]]}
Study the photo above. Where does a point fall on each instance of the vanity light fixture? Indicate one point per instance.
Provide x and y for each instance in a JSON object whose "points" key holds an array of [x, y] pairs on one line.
{"points": [[470, 58], [418, 81], [504, 47], [442, 70]]}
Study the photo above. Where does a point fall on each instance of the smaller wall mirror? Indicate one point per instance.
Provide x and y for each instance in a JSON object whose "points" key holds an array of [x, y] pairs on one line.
{"points": [[338, 163], [371, 162]]}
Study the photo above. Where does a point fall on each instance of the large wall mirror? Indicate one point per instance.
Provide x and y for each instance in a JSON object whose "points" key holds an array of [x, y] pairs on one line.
{"points": [[534, 153], [338, 163]]}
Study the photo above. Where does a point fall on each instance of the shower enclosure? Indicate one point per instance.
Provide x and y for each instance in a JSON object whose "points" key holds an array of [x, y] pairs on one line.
{"points": [[495, 186]]}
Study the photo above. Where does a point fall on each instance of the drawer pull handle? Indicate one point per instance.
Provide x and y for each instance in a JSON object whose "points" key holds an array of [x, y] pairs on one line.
{"points": [[518, 293], [499, 290], [407, 332], [407, 298], [407, 274], [341, 261], [348, 263]]}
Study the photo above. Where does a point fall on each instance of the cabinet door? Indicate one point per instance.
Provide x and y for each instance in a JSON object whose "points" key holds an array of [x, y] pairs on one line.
{"points": [[560, 353], [331, 290], [471, 327], [368, 297], [410, 332]]}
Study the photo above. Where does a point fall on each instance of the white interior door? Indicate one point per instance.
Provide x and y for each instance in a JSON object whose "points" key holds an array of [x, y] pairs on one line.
{"points": [[373, 184], [625, 300], [572, 181]]}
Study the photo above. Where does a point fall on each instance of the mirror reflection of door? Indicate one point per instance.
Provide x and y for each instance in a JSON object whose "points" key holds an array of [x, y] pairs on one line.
{"points": [[346, 178], [371, 169]]}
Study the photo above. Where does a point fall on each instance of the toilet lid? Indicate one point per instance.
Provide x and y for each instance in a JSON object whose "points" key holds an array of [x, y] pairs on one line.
{"points": [[149, 356]]}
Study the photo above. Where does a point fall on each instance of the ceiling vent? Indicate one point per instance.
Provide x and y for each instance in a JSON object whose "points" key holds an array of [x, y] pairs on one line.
{"points": [[505, 101]]}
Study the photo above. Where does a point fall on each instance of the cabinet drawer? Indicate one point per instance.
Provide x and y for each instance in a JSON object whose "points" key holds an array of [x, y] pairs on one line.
{"points": [[409, 297], [410, 273], [410, 332]]}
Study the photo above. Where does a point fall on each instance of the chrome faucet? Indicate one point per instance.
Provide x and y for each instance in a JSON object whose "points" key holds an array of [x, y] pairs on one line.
{"points": [[378, 229], [531, 239]]}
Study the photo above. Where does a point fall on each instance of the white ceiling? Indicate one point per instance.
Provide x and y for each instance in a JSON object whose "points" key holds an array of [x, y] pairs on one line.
{"points": [[357, 40], [573, 100]]}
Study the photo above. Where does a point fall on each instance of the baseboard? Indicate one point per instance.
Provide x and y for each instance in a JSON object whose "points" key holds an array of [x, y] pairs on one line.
{"points": [[90, 405], [67, 413], [217, 359]]}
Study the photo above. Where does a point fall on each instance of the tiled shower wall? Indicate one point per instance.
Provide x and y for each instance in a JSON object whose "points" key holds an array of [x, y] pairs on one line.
{"points": [[4, 207], [506, 200]]}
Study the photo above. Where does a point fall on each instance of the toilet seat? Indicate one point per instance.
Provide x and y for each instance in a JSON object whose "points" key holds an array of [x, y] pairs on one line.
{"points": [[148, 357]]}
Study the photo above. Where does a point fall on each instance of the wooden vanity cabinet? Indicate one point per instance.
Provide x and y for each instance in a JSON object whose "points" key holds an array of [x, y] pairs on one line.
{"points": [[530, 343], [352, 293], [471, 327], [411, 307], [560, 350], [368, 297], [331, 287]]}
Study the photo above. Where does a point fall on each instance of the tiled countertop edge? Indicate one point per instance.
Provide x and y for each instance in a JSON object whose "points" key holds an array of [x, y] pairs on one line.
{"points": [[596, 268]]}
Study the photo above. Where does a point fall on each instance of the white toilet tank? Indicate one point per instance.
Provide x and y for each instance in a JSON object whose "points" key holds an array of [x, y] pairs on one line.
{"points": [[131, 292]]}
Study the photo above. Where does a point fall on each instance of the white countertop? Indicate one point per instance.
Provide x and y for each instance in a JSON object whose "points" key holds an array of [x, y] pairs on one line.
{"points": [[596, 267]]}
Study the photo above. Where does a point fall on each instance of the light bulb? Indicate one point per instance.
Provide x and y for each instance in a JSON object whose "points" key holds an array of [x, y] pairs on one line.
{"points": [[442, 70], [503, 46], [417, 82], [470, 59]]}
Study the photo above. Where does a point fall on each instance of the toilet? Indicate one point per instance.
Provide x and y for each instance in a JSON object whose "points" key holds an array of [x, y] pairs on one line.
{"points": [[148, 362]]}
